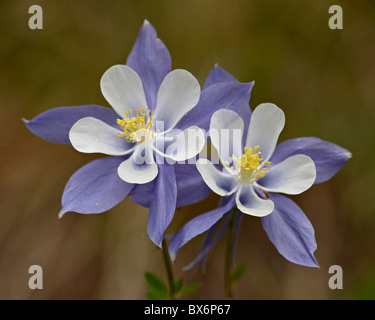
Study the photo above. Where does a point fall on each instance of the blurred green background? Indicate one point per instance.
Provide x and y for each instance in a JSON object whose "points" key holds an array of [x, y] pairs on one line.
{"points": [[323, 79]]}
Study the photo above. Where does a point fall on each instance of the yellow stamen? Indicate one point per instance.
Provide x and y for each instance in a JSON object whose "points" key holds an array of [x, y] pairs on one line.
{"points": [[136, 128], [248, 167]]}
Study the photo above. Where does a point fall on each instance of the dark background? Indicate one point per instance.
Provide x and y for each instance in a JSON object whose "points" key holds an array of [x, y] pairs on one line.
{"points": [[323, 79]]}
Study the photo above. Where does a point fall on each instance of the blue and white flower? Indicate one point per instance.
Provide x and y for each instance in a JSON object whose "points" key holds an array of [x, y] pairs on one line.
{"points": [[179, 92], [143, 94], [248, 174], [253, 174]]}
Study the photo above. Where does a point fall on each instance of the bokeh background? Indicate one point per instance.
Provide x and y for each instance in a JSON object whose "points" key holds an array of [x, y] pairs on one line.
{"points": [[323, 79]]}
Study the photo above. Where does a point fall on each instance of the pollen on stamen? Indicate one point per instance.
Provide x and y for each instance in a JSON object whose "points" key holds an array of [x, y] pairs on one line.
{"points": [[136, 128], [248, 166]]}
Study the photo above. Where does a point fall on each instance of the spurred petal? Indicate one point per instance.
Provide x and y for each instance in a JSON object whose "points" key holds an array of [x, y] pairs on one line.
{"points": [[291, 232], [266, 124], [151, 60], [54, 124], [294, 175], [218, 75], [190, 186], [197, 226], [178, 94], [122, 88], [95, 188], [226, 130], [236, 233], [140, 167], [250, 203], [143, 194], [91, 135], [222, 183], [328, 157], [230, 95], [163, 206], [213, 235]]}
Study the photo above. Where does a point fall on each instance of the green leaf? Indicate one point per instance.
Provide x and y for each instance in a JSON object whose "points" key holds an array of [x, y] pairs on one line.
{"points": [[157, 287], [238, 273], [152, 295], [189, 289], [177, 285]]}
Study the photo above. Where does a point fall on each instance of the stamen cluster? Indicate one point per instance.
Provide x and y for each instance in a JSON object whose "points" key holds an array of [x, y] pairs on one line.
{"points": [[136, 128], [247, 166]]}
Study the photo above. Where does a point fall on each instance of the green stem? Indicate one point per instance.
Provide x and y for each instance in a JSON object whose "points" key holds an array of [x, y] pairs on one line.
{"points": [[228, 262], [168, 269]]}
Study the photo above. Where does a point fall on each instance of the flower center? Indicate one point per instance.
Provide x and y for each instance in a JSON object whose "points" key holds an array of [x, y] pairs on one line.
{"points": [[137, 128], [247, 166]]}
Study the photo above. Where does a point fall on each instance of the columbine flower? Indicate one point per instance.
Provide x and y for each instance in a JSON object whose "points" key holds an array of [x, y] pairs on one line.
{"points": [[249, 162], [252, 176], [143, 94], [179, 92]]}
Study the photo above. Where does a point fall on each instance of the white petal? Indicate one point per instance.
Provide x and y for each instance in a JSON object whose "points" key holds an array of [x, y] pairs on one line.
{"points": [[186, 144], [294, 175], [122, 88], [134, 170], [91, 135], [250, 203], [226, 131], [178, 94], [219, 182], [266, 124]]}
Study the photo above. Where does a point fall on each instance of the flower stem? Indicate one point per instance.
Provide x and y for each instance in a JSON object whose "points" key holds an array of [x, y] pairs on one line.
{"points": [[228, 254], [168, 269]]}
